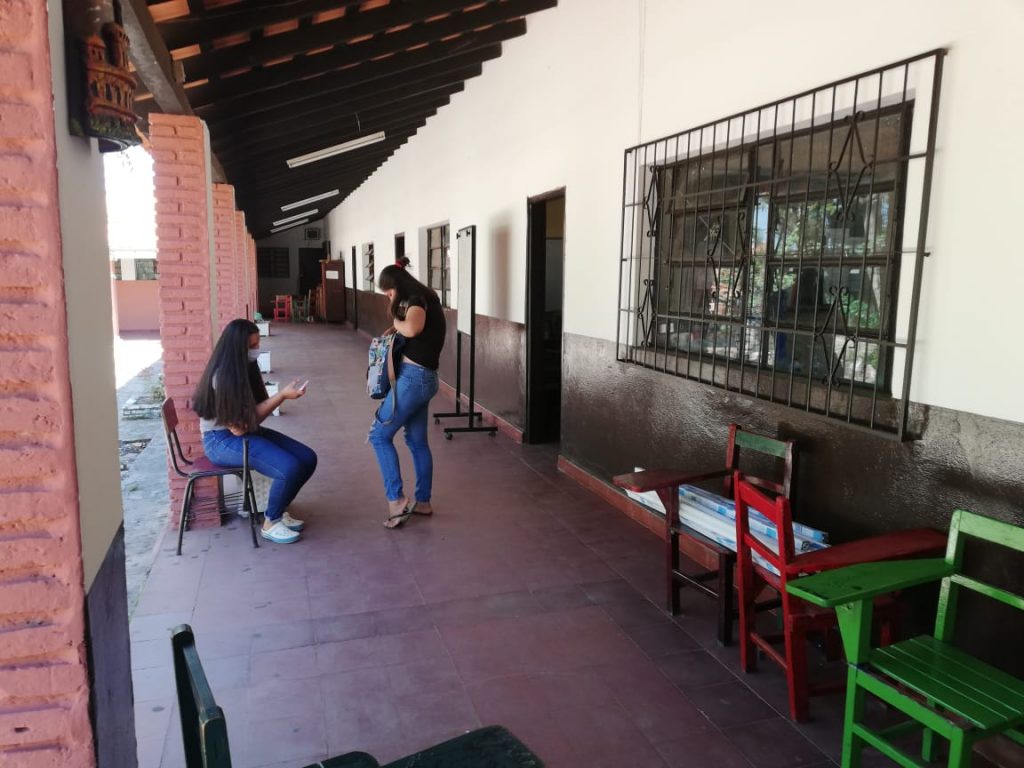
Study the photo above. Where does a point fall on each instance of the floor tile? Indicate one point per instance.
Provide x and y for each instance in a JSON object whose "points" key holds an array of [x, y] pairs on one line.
{"points": [[542, 610], [774, 743]]}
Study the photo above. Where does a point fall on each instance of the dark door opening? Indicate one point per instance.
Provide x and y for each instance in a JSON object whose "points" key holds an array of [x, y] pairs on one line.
{"points": [[545, 272], [310, 273], [355, 292]]}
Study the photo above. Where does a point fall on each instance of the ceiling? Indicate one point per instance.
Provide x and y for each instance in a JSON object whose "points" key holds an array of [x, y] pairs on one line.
{"points": [[277, 79]]}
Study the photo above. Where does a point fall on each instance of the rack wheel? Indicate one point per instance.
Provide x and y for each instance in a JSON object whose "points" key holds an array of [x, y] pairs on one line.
{"points": [[447, 435], [491, 434], [437, 421]]}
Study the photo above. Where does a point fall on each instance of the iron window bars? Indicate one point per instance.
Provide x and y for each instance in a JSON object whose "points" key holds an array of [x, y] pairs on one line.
{"points": [[764, 253], [439, 262]]}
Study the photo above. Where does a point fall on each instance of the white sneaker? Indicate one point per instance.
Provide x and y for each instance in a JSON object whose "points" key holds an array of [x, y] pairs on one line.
{"points": [[279, 533], [291, 523]]}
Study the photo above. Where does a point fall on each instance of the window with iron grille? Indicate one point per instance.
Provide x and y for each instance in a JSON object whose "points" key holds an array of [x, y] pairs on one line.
{"points": [[439, 262], [146, 269], [273, 263], [369, 272], [778, 252]]}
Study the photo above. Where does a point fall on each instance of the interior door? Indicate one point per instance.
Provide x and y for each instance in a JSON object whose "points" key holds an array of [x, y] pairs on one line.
{"points": [[334, 291]]}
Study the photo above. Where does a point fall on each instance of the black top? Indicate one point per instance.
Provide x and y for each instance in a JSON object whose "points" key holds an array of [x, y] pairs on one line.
{"points": [[425, 348]]}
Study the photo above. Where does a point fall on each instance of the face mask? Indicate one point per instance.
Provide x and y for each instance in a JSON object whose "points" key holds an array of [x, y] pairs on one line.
{"points": [[254, 355]]}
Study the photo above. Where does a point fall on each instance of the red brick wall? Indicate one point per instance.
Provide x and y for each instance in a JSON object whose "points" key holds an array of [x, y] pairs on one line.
{"points": [[254, 299], [224, 252], [183, 240], [238, 297], [44, 694]]}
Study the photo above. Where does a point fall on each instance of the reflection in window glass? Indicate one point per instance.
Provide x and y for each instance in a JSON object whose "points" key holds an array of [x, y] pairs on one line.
{"points": [[783, 253]]}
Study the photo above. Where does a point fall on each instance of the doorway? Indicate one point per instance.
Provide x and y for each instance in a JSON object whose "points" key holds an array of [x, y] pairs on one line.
{"points": [[545, 280], [355, 292], [309, 269]]}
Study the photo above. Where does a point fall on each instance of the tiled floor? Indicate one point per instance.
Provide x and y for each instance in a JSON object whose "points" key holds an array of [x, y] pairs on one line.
{"points": [[525, 601]]}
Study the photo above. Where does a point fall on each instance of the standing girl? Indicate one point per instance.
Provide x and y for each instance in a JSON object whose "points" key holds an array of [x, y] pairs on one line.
{"points": [[417, 314], [231, 401]]}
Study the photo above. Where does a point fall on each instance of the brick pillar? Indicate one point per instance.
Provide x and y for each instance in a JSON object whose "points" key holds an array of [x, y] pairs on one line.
{"points": [[183, 253], [254, 291], [44, 688], [239, 264], [224, 252]]}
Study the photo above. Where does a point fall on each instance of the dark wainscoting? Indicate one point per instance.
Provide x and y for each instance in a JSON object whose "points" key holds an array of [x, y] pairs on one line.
{"points": [[373, 312], [112, 701], [849, 482]]}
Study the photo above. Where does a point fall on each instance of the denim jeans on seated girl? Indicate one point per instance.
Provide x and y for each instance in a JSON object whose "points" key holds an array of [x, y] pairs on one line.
{"points": [[414, 388], [284, 460]]}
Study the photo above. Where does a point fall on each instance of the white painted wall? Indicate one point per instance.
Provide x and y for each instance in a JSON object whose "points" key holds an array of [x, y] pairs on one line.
{"points": [[83, 226], [592, 77]]}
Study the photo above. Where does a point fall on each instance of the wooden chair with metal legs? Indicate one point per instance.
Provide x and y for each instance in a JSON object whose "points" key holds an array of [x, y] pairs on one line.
{"points": [[202, 467], [718, 583]]}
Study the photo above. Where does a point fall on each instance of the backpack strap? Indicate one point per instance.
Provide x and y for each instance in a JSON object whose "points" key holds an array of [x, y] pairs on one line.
{"points": [[391, 378], [391, 362]]}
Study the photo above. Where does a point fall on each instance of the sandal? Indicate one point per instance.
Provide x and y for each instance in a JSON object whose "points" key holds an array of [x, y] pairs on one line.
{"points": [[396, 520], [412, 509]]}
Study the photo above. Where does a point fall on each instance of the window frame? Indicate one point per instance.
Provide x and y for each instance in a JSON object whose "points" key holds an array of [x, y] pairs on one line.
{"points": [[750, 191], [273, 262], [867, 291], [442, 250]]}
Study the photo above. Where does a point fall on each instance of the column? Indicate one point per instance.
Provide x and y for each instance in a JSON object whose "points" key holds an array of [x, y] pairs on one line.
{"points": [[44, 685]]}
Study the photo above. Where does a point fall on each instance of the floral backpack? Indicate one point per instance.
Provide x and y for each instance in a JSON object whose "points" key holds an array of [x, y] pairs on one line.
{"points": [[380, 373]]}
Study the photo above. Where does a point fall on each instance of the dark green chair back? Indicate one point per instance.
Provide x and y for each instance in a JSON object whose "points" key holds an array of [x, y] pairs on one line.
{"points": [[203, 728]]}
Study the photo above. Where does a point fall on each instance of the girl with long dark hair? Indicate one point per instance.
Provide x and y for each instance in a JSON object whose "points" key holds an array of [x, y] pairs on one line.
{"points": [[417, 315], [231, 401]]}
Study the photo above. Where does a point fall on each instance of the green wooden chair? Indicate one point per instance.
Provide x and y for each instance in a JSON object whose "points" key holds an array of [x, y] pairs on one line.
{"points": [[940, 688], [205, 734]]}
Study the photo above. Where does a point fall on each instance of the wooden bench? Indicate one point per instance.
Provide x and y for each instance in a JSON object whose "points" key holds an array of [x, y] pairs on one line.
{"points": [[205, 735], [666, 484], [938, 687]]}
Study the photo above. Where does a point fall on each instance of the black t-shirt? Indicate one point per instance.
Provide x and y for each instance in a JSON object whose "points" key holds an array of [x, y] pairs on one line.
{"points": [[425, 348]]}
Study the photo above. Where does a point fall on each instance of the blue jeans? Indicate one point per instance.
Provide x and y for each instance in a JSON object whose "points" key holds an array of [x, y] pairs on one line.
{"points": [[414, 388], [284, 460]]}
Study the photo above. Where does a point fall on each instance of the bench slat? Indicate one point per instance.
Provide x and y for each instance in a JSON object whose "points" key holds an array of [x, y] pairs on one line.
{"points": [[971, 689]]}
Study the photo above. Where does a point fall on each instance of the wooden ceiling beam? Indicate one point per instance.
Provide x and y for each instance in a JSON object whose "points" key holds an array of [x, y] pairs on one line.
{"points": [[154, 67], [332, 111], [292, 73], [263, 166], [309, 95], [243, 17], [337, 32], [383, 79], [265, 205], [308, 139], [268, 178]]}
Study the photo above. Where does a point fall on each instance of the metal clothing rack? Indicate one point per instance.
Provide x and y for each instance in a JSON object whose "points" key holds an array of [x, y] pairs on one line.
{"points": [[466, 238]]}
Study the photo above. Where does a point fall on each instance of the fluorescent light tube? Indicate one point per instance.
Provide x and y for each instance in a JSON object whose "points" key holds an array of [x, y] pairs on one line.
{"points": [[289, 226], [308, 200], [337, 149], [295, 216]]}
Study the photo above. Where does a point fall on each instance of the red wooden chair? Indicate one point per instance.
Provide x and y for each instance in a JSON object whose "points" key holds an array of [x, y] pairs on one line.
{"points": [[202, 467], [283, 308], [799, 618], [666, 484]]}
